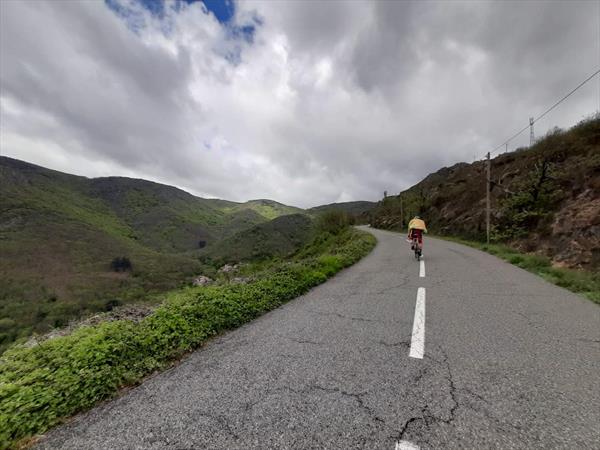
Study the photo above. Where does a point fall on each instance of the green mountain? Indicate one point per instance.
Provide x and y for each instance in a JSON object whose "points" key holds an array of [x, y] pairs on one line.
{"points": [[59, 234], [268, 209], [544, 199], [359, 210], [279, 237]]}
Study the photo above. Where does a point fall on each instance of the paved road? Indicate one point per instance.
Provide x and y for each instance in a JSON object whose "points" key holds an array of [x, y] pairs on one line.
{"points": [[509, 362]]}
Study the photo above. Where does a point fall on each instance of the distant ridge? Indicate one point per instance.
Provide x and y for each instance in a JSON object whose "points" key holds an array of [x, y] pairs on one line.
{"points": [[356, 208]]}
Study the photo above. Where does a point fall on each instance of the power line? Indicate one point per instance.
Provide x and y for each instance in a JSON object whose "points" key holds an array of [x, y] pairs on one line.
{"points": [[532, 120], [510, 139], [568, 95], [547, 111]]}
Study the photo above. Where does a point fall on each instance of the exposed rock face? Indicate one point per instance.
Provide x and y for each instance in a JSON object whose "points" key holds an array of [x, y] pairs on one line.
{"points": [[576, 232], [228, 268], [202, 281], [545, 199]]}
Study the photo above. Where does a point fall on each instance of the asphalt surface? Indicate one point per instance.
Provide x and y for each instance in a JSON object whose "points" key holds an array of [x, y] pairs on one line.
{"points": [[510, 361]]}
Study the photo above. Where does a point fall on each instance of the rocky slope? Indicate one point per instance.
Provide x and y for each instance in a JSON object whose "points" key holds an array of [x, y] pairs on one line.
{"points": [[545, 199]]}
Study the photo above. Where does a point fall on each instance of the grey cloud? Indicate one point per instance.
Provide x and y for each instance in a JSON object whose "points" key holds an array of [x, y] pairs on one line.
{"points": [[94, 78], [388, 50], [150, 69], [332, 101]]}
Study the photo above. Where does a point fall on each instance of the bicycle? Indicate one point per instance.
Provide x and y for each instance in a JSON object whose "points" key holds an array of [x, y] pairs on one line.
{"points": [[418, 248]]}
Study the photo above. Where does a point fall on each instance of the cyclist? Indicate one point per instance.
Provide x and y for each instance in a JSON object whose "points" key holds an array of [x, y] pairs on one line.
{"points": [[416, 228]]}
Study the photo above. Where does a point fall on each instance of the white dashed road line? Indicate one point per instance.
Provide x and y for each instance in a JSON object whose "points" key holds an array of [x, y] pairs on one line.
{"points": [[405, 445], [417, 344]]}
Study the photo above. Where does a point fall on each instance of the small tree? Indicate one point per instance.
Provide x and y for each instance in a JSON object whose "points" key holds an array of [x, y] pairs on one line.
{"points": [[109, 305], [121, 264], [532, 202]]}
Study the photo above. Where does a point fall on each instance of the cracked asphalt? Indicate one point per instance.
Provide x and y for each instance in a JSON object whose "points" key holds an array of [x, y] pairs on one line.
{"points": [[511, 362]]}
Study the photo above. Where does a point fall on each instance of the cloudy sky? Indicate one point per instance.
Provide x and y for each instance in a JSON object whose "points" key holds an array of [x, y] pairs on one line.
{"points": [[303, 102]]}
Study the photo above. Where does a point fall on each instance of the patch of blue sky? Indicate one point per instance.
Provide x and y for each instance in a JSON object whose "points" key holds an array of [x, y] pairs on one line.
{"points": [[245, 32], [223, 10], [133, 17], [156, 7]]}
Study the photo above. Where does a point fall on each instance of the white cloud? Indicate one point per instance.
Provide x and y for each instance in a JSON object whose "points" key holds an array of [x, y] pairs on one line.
{"points": [[329, 102]]}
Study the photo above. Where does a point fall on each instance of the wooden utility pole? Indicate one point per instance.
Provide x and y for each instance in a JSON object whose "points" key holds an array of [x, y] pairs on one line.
{"points": [[487, 197]]}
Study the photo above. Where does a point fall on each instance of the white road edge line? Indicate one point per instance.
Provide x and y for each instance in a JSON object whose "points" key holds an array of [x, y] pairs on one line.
{"points": [[417, 343], [422, 269], [405, 445]]}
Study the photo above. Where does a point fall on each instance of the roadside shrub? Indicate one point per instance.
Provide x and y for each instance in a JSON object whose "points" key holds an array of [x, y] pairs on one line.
{"points": [[538, 262], [516, 259]]}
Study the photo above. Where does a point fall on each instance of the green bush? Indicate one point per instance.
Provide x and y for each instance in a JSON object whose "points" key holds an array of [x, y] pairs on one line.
{"points": [[121, 264], [516, 259], [333, 221], [41, 385]]}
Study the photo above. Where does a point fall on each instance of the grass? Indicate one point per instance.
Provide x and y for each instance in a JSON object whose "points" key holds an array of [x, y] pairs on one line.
{"points": [[268, 209], [42, 385], [580, 282]]}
